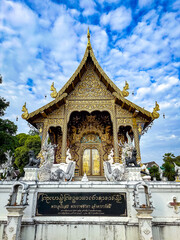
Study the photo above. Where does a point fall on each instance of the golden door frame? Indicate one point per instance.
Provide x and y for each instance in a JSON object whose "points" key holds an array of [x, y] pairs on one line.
{"points": [[85, 146]]}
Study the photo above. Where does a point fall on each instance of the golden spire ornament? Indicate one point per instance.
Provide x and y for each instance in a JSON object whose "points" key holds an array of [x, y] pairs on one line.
{"points": [[88, 37]]}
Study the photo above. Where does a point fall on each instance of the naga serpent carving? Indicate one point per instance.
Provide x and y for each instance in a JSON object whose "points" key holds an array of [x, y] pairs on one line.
{"points": [[155, 114], [125, 93], [25, 114], [54, 92]]}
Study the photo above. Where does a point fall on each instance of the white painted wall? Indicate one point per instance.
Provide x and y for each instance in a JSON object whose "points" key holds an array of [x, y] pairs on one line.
{"points": [[166, 223]]}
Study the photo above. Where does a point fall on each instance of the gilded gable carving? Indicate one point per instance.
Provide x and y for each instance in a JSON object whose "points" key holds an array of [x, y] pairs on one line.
{"points": [[90, 106], [124, 122], [120, 112], [90, 87], [140, 120], [39, 120], [58, 113]]}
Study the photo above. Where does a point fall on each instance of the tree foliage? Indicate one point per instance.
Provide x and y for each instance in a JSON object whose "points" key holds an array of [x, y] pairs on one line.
{"points": [[169, 171], [3, 106], [7, 132], [154, 172], [25, 143], [168, 166]]}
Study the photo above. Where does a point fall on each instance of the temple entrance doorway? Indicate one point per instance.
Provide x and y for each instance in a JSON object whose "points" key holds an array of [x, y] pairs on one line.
{"points": [[90, 140], [91, 163]]}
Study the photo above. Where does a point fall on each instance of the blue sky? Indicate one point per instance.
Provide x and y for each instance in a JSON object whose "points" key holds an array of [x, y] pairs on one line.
{"points": [[136, 41]]}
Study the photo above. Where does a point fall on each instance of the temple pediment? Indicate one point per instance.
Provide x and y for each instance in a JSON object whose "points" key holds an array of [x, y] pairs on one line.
{"points": [[90, 82], [90, 87]]}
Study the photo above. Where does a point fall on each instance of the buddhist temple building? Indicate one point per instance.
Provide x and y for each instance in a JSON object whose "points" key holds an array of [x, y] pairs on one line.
{"points": [[90, 116], [86, 183]]}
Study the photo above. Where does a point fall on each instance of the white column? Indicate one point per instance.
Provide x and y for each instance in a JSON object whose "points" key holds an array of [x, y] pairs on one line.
{"points": [[145, 223], [13, 228]]}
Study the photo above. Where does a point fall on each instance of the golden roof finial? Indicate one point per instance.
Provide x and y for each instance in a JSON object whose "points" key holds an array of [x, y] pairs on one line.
{"points": [[54, 92], [25, 112], [125, 93], [88, 37], [155, 114]]}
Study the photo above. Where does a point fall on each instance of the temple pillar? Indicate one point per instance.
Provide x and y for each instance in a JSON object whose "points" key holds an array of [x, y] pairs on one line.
{"points": [[115, 138], [136, 140], [64, 138], [44, 133]]}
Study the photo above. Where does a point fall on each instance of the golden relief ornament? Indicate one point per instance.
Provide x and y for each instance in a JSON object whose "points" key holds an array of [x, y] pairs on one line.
{"points": [[54, 122], [25, 114], [90, 106], [125, 93], [155, 114], [58, 113], [54, 92], [124, 121], [90, 87], [140, 129], [122, 112]]}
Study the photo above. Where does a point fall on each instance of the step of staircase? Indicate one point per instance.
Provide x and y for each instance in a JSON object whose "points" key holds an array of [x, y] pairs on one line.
{"points": [[91, 178]]}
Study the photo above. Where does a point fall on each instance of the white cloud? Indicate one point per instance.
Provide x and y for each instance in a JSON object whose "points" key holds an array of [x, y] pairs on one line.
{"points": [[145, 3], [88, 6], [108, 1], [117, 19]]}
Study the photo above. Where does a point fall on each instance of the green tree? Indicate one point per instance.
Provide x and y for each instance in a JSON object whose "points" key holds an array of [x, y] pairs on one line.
{"points": [[7, 132], [177, 160], [25, 143], [154, 172], [168, 157], [169, 171], [3, 106], [169, 160]]}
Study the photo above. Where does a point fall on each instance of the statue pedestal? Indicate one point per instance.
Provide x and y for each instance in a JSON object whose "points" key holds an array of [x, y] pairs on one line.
{"points": [[145, 223], [62, 166], [31, 174], [15, 214], [133, 174], [146, 178]]}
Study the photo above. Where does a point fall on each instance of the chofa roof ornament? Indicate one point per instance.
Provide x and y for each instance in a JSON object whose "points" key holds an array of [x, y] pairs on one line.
{"points": [[125, 93], [54, 92], [25, 114], [155, 114]]}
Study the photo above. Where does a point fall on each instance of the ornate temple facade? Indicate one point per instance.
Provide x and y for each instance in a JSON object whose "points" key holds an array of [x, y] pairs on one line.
{"points": [[91, 120], [90, 116]]}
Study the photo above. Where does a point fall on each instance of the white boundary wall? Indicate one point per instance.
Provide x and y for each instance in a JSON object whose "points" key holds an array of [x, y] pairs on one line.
{"points": [[165, 222]]}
